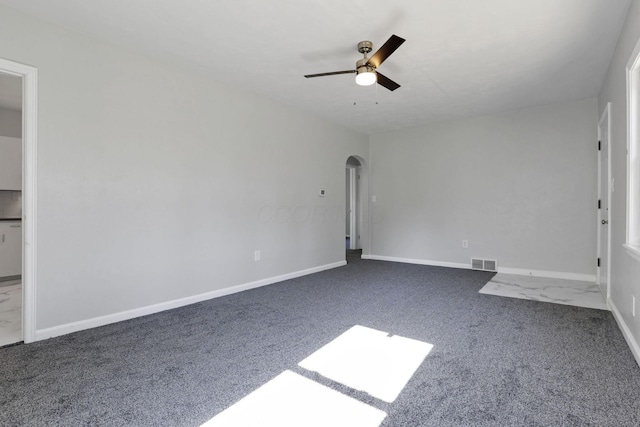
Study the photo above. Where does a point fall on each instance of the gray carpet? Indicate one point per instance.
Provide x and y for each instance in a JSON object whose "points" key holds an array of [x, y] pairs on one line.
{"points": [[495, 361], [353, 256]]}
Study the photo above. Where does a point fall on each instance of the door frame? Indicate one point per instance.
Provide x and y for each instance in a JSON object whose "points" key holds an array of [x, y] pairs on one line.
{"points": [[29, 76], [363, 217], [606, 115], [354, 228]]}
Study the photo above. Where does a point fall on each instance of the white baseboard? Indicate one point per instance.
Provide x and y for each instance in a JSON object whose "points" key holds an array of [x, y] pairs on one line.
{"points": [[416, 261], [95, 322], [549, 274], [505, 270], [626, 332]]}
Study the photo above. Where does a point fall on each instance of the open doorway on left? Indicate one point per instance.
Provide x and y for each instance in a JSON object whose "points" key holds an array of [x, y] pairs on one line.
{"points": [[11, 165]]}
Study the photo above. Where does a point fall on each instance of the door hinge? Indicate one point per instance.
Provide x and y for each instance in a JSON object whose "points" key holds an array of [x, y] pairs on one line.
{"points": [[599, 145], [598, 262], [599, 204]]}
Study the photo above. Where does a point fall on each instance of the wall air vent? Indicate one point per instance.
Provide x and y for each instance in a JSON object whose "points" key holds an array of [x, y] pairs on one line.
{"points": [[484, 264]]}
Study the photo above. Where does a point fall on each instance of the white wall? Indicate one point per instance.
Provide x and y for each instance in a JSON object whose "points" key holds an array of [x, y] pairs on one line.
{"points": [[10, 123], [157, 183], [625, 271], [10, 163], [519, 186]]}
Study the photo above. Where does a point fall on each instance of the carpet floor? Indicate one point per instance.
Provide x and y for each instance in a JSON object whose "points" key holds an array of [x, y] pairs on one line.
{"points": [[493, 362]]}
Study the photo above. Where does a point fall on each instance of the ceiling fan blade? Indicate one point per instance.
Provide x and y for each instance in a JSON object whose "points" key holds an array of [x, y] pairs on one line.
{"points": [[333, 73], [386, 50], [387, 82]]}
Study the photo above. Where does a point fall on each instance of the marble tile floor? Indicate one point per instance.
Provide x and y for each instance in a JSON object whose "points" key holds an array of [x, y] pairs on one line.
{"points": [[558, 291], [10, 312]]}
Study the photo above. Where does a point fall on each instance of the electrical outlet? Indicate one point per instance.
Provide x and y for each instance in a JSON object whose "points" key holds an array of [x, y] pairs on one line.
{"points": [[465, 244], [256, 256]]}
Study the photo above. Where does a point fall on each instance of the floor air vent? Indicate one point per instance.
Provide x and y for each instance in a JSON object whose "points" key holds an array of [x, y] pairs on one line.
{"points": [[484, 264]]}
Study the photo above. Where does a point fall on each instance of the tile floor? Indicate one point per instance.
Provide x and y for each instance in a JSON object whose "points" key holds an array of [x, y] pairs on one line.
{"points": [[559, 291], [10, 312]]}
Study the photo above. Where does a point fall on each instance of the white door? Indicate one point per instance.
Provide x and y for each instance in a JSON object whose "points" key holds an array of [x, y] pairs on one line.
{"points": [[604, 189]]}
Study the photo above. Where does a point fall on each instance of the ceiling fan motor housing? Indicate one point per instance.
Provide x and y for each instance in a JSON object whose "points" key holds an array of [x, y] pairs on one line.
{"points": [[363, 67], [365, 47]]}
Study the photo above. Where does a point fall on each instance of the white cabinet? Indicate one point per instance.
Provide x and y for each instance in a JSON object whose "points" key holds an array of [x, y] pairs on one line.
{"points": [[10, 248], [10, 163]]}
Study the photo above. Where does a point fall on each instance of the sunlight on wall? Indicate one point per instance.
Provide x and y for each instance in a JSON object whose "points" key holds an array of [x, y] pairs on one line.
{"points": [[369, 360], [361, 358], [293, 400]]}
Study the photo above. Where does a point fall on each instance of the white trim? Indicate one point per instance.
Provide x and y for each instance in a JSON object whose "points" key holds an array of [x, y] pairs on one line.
{"points": [[353, 207], [29, 191], [549, 274], [363, 220], [504, 270], [417, 261], [633, 147], [168, 305], [363, 212], [633, 251], [626, 332]]}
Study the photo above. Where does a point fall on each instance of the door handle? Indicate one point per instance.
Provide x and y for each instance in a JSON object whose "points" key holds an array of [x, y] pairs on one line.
{"points": [[605, 222]]}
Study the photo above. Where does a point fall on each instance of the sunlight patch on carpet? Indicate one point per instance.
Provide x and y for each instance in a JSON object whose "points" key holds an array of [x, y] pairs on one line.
{"points": [[293, 400], [361, 358], [369, 360]]}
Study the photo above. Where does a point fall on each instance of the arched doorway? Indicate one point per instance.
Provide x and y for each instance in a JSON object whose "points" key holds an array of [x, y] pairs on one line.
{"points": [[356, 224]]}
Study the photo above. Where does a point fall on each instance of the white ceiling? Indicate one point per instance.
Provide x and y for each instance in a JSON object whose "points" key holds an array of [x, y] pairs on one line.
{"points": [[462, 57]]}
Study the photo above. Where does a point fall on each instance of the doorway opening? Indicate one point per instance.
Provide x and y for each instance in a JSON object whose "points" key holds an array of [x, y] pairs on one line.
{"points": [[10, 209], [20, 206], [604, 202], [353, 209]]}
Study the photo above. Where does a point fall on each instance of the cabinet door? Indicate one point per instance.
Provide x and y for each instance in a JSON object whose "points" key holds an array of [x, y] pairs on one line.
{"points": [[10, 249], [10, 163]]}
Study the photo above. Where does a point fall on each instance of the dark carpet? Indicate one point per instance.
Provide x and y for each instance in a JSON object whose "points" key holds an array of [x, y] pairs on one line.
{"points": [[495, 361], [353, 256]]}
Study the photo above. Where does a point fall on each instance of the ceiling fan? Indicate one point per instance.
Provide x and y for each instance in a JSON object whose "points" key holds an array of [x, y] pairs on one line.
{"points": [[366, 68]]}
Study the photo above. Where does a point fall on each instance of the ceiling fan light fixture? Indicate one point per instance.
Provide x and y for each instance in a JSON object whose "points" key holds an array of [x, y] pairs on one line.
{"points": [[366, 68], [366, 76]]}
